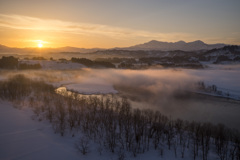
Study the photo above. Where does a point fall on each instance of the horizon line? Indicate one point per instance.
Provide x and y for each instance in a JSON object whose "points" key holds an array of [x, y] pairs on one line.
{"points": [[115, 46]]}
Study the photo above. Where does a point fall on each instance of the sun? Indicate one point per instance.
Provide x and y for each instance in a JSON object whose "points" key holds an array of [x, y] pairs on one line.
{"points": [[40, 45]]}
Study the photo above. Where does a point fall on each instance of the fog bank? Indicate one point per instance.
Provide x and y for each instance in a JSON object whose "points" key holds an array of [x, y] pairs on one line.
{"points": [[167, 90]]}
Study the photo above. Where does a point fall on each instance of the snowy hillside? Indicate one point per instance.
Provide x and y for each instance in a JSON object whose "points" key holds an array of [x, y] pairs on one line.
{"points": [[23, 138], [222, 55]]}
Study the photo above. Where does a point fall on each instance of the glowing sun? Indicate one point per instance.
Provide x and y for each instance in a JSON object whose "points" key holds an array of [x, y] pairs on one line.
{"points": [[40, 45]]}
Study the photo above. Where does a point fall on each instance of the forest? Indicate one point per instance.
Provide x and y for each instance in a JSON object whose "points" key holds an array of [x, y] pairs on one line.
{"points": [[13, 63]]}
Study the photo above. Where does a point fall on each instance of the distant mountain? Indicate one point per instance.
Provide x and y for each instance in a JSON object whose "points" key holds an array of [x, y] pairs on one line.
{"points": [[5, 49], [75, 49], [180, 45], [149, 46]]}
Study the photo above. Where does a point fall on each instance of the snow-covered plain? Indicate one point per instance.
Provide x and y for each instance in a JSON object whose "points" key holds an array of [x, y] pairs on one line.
{"points": [[22, 138]]}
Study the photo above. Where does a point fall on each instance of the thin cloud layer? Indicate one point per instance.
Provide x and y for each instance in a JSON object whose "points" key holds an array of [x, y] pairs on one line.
{"points": [[31, 23]]}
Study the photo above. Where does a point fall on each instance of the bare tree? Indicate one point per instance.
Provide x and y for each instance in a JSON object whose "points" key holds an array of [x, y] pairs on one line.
{"points": [[82, 145], [183, 146], [60, 115]]}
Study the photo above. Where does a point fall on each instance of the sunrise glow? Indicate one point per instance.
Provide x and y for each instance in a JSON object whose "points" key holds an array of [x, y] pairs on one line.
{"points": [[40, 45], [136, 22]]}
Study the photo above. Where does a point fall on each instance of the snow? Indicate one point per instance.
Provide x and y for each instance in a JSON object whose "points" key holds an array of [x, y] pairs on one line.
{"points": [[25, 139], [225, 77]]}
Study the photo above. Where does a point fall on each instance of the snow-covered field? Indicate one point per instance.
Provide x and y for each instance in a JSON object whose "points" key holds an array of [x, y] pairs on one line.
{"points": [[22, 138]]}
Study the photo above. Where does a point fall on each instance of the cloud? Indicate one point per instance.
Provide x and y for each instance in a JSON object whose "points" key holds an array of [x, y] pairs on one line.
{"points": [[20, 22]]}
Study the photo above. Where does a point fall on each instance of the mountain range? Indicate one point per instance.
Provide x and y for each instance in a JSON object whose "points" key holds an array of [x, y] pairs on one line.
{"points": [[5, 49], [151, 45], [180, 45]]}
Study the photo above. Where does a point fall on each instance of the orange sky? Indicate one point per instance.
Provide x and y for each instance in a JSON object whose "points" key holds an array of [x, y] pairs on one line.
{"points": [[24, 31], [108, 24]]}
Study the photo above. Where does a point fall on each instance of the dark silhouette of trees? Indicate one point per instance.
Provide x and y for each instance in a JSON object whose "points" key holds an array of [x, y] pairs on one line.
{"points": [[29, 66], [12, 63], [61, 114], [9, 62], [39, 58], [94, 64], [82, 145], [125, 65]]}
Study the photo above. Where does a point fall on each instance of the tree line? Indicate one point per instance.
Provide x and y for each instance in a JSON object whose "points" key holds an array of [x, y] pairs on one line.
{"points": [[13, 63], [94, 64], [9, 62]]}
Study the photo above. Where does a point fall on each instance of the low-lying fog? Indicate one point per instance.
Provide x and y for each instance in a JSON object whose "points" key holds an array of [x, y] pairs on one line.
{"points": [[166, 90]]}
